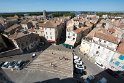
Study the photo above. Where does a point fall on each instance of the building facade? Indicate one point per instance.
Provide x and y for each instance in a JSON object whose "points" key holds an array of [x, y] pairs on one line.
{"points": [[53, 31]]}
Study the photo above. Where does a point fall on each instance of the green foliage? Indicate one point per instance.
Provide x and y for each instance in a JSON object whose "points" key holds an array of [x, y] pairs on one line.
{"points": [[103, 13], [109, 13], [58, 14], [55, 14]]}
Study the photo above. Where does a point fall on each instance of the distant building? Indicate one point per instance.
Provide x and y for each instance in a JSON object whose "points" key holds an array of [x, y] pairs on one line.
{"points": [[12, 29], [7, 47], [53, 30], [103, 48], [73, 38], [117, 61], [40, 29], [25, 41], [9, 21], [44, 14], [74, 33], [26, 24]]}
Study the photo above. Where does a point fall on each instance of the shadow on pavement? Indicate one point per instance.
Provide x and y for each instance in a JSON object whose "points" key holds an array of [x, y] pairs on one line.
{"points": [[110, 76], [4, 78], [57, 80]]}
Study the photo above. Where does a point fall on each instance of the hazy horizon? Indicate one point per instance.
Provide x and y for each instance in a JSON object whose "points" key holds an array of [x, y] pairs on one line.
{"points": [[61, 5]]}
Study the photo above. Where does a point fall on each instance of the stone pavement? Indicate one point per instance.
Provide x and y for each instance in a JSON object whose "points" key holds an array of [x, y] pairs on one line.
{"points": [[59, 62]]}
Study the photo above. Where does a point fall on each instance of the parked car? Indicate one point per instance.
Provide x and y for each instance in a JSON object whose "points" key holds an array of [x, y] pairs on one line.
{"points": [[1, 63], [79, 69], [112, 73], [18, 64], [76, 57], [12, 64], [100, 65], [21, 64], [79, 62], [33, 55], [5, 65]]}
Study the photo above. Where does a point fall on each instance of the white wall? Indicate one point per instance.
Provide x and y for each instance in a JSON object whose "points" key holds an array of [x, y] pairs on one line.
{"points": [[71, 36], [102, 54], [24, 26], [105, 43], [49, 34]]}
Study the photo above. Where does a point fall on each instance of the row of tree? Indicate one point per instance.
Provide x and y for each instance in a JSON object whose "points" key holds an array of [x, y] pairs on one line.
{"points": [[104, 13], [55, 14]]}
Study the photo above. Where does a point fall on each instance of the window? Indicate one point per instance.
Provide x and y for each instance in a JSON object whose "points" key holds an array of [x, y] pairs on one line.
{"points": [[73, 38], [68, 36], [51, 37], [117, 63], [98, 47], [73, 34], [99, 40], [46, 32], [97, 52], [104, 41], [50, 33], [121, 57], [46, 36]]}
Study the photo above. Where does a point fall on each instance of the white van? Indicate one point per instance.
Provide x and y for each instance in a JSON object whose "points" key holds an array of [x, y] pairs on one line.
{"points": [[99, 65]]}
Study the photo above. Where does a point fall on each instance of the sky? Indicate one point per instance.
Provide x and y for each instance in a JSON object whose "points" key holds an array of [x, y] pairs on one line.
{"points": [[60, 5]]}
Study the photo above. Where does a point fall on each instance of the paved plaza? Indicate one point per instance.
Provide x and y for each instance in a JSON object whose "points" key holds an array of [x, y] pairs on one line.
{"points": [[59, 62], [53, 64]]}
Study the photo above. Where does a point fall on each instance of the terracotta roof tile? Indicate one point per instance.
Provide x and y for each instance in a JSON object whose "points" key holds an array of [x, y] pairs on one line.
{"points": [[112, 30], [107, 37], [17, 35], [120, 48], [12, 27], [51, 24], [77, 30]]}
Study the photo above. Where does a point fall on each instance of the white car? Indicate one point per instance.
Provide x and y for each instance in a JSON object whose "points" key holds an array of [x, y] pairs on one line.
{"points": [[33, 55], [77, 57], [80, 63], [100, 65], [80, 67], [5, 65]]}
